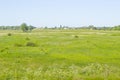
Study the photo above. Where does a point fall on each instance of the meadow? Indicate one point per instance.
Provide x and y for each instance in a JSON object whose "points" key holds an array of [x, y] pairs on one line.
{"points": [[60, 55]]}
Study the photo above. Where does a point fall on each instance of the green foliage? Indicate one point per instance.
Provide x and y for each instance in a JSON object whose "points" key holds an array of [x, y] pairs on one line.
{"points": [[24, 27], [9, 34], [31, 28], [9, 27], [18, 45], [76, 36], [31, 44]]}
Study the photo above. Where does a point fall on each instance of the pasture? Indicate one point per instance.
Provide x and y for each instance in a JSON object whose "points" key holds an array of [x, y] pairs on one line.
{"points": [[60, 55]]}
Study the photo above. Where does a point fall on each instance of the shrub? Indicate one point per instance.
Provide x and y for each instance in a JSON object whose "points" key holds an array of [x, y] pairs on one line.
{"points": [[18, 45], [76, 36], [9, 34], [31, 44], [2, 50]]}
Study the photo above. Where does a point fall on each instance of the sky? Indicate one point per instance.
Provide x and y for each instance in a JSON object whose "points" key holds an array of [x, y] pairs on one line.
{"points": [[52, 13]]}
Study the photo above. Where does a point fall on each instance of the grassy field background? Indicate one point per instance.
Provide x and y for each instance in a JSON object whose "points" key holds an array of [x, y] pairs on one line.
{"points": [[60, 55]]}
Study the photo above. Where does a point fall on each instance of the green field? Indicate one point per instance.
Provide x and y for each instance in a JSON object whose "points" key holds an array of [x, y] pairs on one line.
{"points": [[60, 55]]}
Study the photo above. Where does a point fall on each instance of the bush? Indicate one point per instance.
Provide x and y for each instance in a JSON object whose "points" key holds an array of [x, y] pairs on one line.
{"points": [[76, 36], [31, 44], [9, 34], [18, 45]]}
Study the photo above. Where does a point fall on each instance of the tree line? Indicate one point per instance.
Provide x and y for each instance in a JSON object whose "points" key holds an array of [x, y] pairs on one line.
{"points": [[90, 27], [28, 28], [24, 27]]}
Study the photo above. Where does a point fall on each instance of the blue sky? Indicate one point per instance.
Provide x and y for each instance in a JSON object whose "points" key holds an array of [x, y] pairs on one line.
{"points": [[60, 12]]}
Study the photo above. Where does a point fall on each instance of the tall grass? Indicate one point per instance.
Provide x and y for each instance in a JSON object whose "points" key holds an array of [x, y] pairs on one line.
{"points": [[60, 55]]}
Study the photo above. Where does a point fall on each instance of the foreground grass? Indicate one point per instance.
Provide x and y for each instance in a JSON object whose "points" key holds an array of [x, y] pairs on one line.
{"points": [[60, 55]]}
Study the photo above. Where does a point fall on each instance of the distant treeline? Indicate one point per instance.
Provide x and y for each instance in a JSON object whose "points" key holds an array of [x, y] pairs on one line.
{"points": [[14, 27], [24, 27], [91, 27], [10, 27]]}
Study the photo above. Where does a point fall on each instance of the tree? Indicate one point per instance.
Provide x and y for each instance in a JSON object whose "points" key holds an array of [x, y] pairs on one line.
{"points": [[31, 28], [24, 27], [92, 27]]}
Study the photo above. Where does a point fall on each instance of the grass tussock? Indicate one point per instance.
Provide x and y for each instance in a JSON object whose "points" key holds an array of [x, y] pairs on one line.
{"points": [[9, 34], [31, 44], [18, 45]]}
